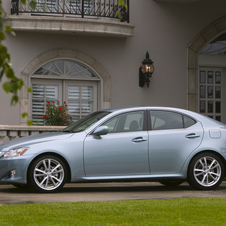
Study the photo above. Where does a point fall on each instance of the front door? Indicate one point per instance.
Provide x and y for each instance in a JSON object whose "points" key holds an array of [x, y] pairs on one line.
{"points": [[122, 152]]}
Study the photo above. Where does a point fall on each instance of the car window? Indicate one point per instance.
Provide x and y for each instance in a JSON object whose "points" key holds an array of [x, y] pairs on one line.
{"points": [[127, 122], [188, 121], [161, 120]]}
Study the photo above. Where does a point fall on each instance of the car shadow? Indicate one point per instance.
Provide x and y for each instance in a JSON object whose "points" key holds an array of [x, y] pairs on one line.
{"points": [[110, 187]]}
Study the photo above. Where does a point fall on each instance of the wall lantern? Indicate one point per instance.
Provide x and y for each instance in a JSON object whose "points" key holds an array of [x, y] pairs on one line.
{"points": [[146, 71]]}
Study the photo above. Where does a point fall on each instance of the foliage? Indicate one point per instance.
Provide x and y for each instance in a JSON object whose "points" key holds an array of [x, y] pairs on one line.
{"points": [[190, 211], [56, 114], [122, 14], [13, 83]]}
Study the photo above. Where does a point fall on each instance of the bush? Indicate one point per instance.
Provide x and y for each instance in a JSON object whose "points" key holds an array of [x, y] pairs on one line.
{"points": [[56, 115]]}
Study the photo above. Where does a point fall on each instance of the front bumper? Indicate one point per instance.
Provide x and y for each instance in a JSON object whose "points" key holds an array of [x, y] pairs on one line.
{"points": [[10, 165]]}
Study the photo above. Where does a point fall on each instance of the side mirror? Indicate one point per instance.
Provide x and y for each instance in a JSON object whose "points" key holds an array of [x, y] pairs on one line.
{"points": [[102, 130]]}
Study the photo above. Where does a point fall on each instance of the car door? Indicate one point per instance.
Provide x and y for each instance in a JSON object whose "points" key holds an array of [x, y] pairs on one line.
{"points": [[172, 138], [121, 152]]}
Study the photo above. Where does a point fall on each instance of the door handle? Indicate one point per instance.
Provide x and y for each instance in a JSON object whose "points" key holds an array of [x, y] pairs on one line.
{"points": [[192, 136], [139, 139]]}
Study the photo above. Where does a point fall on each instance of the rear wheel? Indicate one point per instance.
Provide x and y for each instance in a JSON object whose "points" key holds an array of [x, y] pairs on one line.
{"points": [[206, 171], [47, 174]]}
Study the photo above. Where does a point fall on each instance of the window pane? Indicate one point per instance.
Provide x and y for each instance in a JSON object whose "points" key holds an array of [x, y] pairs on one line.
{"points": [[86, 108], [60, 66], [87, 93], [202, 91], [218, 92], [218, 107], [210, 77], [64, 67], [210, 92], [37, 119], [218, 77], [38, 106], [38, 91], [202, 106], [218, 118], [51, 92], [210, 106], [202, 77], [74, 107], [73, 92], [161, 120]]}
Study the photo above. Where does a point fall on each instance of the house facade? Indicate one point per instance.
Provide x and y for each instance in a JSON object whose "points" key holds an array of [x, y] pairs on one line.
{"points": [[80, 52]]}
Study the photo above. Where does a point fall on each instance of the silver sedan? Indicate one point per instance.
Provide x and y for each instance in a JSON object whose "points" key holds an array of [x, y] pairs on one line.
{"points": [[161, 144]]}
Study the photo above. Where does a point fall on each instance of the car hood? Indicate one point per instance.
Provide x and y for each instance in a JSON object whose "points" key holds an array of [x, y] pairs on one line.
{"points": [[39, 138]]}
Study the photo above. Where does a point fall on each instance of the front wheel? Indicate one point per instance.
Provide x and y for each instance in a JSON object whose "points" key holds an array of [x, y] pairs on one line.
{"points": [[206, 171], [47, 174]]}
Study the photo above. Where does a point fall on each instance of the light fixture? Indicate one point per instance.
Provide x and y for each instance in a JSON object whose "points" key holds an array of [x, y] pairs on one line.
{"points": [[146, 71]]}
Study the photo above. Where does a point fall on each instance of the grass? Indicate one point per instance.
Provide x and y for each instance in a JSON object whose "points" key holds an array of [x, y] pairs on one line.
{"points": [[192, 211]]}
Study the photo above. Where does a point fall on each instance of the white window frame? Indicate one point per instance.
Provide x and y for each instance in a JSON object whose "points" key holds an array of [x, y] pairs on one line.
{"points": [[63, 81]]}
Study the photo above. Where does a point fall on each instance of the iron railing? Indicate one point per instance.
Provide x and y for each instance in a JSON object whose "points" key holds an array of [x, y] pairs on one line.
{"points": [[81, 8]]}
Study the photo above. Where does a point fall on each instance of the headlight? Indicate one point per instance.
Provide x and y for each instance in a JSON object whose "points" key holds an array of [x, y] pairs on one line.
{"points": [[15, 152]]}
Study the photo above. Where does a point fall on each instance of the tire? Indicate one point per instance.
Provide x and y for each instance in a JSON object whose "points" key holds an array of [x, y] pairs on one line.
{"points": [[206, 171], [171, 183], [47, 174]]}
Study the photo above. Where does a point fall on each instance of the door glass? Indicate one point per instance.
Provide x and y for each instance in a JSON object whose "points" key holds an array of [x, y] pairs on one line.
{"points": [[127, 122], [161, 120]]}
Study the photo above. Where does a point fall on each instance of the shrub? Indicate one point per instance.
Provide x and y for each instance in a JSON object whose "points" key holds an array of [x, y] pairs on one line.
{"points": [[56, 114]]}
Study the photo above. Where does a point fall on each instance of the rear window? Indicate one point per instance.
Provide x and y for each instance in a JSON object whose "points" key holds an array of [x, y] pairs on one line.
{"points": [[162, 120]]}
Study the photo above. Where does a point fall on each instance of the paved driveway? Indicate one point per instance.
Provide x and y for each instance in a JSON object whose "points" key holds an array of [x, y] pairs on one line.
{"points": [[105, 192]]}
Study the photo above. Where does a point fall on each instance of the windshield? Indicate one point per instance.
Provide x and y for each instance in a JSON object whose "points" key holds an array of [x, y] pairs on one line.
{"points": [[86, 122]]}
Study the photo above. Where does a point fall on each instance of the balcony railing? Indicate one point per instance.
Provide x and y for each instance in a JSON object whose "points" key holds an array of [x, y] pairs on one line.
{"points": [[8, 132], [80, 8]]}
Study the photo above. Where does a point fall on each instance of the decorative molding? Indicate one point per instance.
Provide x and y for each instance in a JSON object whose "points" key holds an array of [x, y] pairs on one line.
{"points": [[70, 25], [75, 55], [202, 40]]}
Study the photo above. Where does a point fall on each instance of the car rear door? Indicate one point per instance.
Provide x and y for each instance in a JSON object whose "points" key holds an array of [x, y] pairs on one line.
{"points": [[170, 143]]}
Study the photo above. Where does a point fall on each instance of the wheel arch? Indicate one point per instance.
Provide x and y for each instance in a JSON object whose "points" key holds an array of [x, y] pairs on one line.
{"points": [[53, 154]]}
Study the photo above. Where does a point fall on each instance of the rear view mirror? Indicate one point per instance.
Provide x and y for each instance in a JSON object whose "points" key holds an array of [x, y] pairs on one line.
{"points": [[102, 130]]}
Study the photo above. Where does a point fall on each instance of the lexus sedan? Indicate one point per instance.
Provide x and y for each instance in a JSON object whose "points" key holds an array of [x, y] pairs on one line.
{"points": [[166, 145]]}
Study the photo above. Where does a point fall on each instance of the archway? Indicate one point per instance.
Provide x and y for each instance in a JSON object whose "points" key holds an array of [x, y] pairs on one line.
{"points": [[104, 94], [203, 39]]}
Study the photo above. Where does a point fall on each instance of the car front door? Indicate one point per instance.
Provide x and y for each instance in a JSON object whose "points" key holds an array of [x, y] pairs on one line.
{"points": [[121, 152], [172, 138]]}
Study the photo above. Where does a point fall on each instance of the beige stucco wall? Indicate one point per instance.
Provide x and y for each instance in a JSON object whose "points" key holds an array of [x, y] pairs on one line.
{"points": [[164, 29]]}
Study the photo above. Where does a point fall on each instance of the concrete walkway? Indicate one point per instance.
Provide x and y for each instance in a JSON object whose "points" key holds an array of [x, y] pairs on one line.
{"points": [[105, 192]]}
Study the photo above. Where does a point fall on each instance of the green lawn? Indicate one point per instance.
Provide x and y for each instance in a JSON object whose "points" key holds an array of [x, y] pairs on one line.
{"points": [[192, 211]]}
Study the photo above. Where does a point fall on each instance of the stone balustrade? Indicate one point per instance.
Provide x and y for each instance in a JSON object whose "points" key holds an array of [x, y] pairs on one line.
{"points": [[11, 132]]}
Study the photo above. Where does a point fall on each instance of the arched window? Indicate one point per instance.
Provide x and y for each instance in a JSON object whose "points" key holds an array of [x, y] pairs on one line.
{"points": [[64, 80]]}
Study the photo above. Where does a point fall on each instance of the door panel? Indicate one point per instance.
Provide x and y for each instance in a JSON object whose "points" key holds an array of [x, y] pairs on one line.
{"points": [[123, 151], [116, 154], [170, 148]]}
